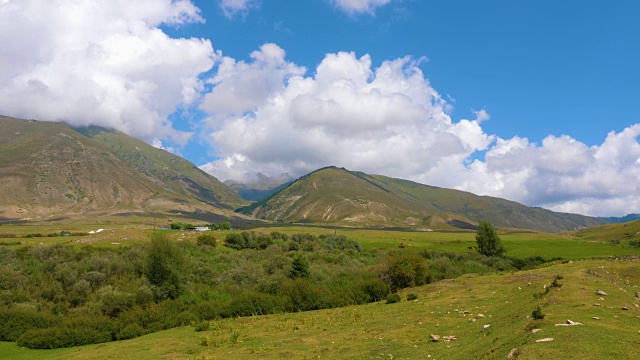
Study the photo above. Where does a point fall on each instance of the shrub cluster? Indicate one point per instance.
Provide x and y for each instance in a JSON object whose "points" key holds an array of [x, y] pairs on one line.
{"points": [[66, 295], [295, 242]]}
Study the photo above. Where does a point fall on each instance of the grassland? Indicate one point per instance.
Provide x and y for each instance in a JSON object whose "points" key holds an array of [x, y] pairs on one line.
{"points": [[402, 330], [570, 246]]}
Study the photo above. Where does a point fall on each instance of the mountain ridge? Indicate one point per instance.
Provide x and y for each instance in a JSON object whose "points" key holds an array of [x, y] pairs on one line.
{"points": [[358, 199]]}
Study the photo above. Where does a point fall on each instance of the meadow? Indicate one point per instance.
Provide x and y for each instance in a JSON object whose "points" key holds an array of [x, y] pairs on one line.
{"points": [[457, 286]]}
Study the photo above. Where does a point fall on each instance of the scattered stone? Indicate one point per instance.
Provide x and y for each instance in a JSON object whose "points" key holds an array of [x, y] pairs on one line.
{"points": [[485, 327], [595, 318], [638, 306], [480, 316], [569, 323], [450, 338], [533, 331], [601, 299], [544, 340], [466, 312], [472, 320], [596, 304], [624, 308], [528, 284], [513, 354], [601, 293], [638, 294], [435, 338]]}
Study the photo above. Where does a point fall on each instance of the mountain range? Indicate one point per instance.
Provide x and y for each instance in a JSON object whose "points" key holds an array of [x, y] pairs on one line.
{"points": [[49, 170]]}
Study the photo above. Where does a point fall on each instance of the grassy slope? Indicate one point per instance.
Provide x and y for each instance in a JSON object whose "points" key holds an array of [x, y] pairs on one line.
{"points": [[338, 196], [50, 169], [401, 331], [170, 171], [501, 212], [616, 232]]}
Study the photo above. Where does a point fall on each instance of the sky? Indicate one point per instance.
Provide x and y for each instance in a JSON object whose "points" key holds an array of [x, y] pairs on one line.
{"points": [[532, 101]]}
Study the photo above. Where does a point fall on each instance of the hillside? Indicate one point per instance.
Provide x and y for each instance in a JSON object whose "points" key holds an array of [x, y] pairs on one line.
{"points": [[49, 169], [403, 330], [614, 233], [341, 197]]}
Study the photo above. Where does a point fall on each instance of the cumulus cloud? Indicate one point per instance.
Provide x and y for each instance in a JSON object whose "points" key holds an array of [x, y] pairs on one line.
{"points": [[352, 7], [272, 116], [563, 173], [101, 62], [231, 8], [349, 113]]}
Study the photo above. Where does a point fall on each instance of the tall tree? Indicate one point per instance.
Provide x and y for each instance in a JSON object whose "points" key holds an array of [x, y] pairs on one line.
{"points": [[489, 243], [165, 267], [299, 268]]}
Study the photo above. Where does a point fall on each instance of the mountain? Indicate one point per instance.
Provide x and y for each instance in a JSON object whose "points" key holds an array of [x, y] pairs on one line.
{"points": [[626, 218], [341, 197], [260, 186], [614, 233], [50, 169]]}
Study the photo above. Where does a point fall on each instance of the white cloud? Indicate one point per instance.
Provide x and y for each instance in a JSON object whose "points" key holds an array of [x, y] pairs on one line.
{"points": [[385, 120], [564, 174], [352, 7], [231, 8], [269, 115], [102, 62]]}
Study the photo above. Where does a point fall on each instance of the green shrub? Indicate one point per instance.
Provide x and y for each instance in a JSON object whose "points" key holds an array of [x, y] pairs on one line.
{"points": [[207, 239], [393, 298], [634, 243], [61, 337], [177, 226], [130, 331], [405, 270], [537, 314], [203, 326], [412, 296], [16, 322], [376, 289], [235, 241]]}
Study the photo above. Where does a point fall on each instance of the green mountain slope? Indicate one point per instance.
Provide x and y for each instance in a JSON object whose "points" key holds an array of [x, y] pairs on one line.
{"points": [[341, 197], [49, 169]]}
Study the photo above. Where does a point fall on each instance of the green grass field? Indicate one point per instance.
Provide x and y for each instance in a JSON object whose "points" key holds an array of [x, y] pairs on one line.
{"points": [[403, 330]]}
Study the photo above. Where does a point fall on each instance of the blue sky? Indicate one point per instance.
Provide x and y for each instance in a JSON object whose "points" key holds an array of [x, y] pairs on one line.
{"points": [[538, 67], [534, 101]]}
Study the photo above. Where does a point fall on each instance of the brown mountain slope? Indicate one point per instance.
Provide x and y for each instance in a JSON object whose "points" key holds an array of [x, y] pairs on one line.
{"points": [[49, 169], [341, 197]]}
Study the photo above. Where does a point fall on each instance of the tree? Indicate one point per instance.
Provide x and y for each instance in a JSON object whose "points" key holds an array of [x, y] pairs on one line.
{"points": [[165, 268], [299, 268], [489, 243]]}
